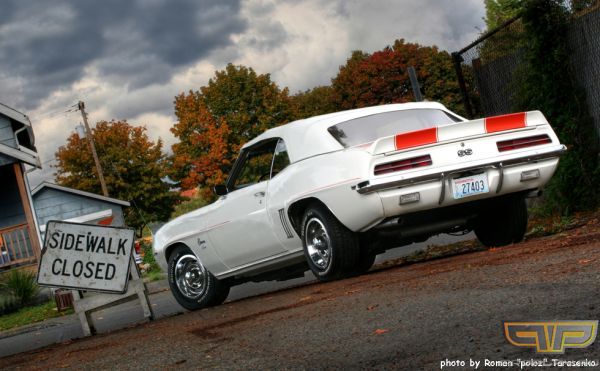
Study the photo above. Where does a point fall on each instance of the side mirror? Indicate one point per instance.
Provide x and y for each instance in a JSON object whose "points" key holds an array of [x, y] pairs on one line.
{"points": [[220, 190]]}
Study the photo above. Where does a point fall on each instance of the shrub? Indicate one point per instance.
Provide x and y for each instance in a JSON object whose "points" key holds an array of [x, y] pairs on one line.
{"points": [[8, 304], [22, 285], [148, 258]]}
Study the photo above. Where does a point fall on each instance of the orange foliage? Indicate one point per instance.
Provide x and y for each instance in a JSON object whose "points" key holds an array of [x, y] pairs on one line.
{"points": [[214, 123], [382, 77]]}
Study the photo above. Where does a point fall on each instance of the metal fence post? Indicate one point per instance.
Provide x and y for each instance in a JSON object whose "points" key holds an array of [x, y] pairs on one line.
{"points": [[461, 83], [414, 82]]}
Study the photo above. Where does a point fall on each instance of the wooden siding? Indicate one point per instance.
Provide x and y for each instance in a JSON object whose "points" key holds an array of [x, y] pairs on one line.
{"points": [[6, 160], [7, 136], [11, 206], [53, 204]]}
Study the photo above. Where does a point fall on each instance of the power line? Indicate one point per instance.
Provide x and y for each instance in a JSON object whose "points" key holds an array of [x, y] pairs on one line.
{"points": [[55, 113]]}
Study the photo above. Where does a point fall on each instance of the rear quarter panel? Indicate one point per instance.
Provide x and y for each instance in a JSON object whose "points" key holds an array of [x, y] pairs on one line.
{"points": [[329, 178]]}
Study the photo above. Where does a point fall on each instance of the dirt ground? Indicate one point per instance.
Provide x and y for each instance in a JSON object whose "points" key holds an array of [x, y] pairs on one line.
{"points": [[399, 316]]}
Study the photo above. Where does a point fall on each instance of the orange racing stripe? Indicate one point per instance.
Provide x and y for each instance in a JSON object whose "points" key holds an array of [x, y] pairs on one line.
{"points": [[505, 122], [416, 138]]}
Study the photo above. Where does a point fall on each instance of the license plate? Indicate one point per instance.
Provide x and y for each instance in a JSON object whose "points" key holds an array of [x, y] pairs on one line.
{"points": [[470, 186]]}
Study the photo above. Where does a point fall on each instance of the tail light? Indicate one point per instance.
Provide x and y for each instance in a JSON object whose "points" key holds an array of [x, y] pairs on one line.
{"points": [[509, 145], [410, 163]]}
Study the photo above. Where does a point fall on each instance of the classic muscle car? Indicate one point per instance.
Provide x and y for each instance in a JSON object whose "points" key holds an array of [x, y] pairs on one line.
{"points": [[329, 193]]}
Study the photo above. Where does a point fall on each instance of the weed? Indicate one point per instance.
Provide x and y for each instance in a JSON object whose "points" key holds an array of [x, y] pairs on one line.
{"points": [[22, 285]]}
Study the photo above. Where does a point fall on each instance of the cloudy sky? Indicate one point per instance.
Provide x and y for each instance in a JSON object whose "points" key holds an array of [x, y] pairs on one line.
{"points": [[128, 59]]}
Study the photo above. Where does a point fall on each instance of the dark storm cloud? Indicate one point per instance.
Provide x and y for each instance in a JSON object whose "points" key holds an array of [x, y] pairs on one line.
{"points": [[47, 45], [8, 9], [268, 32], [447, 24]]}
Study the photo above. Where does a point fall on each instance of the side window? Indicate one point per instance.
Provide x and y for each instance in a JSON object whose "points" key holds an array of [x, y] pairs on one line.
{"points": [[280, 159], [256, 164], [256, 168]]}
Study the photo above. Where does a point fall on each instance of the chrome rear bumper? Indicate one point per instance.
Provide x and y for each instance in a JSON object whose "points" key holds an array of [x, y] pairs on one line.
{"points": [[366, 187]]}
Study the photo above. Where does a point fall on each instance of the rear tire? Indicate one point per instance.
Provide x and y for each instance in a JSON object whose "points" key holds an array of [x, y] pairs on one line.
{"points": [[365, 261], [330, 248], [192, 285], [503, 223]]}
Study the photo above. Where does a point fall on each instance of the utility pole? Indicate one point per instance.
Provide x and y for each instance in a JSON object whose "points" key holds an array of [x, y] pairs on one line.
{"points": [[88, 134]]}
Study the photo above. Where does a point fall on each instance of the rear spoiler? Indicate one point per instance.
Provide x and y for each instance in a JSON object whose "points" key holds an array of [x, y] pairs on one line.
{"points": [[466, 129]]}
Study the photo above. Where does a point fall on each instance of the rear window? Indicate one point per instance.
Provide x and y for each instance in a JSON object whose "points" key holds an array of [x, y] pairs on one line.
{"points": [[370, 128]]}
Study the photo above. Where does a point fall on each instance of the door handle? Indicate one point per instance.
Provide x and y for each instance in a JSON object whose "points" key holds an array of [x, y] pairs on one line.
{"points": [[259, 194]]}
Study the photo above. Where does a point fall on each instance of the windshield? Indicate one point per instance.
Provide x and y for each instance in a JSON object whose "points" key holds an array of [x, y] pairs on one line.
{"points": [[370, 128]]}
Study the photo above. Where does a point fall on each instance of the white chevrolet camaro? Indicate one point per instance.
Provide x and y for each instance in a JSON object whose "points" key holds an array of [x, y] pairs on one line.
{"points": [[329, 193]]}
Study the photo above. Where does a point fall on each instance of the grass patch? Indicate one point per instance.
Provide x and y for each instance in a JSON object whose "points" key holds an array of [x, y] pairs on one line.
{"points": [[154, 275], [31, 314], [546, 225]]}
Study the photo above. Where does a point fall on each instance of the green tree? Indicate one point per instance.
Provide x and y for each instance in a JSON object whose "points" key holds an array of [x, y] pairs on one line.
{"points": [[313, 102], [382, 77], [215, 121], [132, 165], [500, 11], [510, 38]]}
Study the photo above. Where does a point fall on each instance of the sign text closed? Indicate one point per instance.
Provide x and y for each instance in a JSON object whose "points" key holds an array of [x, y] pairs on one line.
{"points": [[86, 257]]}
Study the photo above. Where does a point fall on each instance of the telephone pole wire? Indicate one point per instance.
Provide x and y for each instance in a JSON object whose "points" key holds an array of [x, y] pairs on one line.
{"points": [[88, 134]]}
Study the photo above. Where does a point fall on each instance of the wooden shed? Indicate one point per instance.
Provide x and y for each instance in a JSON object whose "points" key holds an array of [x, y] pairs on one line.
{"points": [[55, 202]]}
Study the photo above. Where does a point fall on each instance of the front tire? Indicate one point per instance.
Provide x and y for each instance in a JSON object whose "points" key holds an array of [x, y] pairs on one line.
{"points": [[192, 285], [503, 223], [330, 248]]}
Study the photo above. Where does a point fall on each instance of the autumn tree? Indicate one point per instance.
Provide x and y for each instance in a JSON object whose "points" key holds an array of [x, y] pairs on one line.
{"points": [[215, 121], [313, 102], [382, 77], [132, 165]]}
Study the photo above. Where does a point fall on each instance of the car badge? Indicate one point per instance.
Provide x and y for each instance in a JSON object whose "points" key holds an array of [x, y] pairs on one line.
{"points": [[465, 152]]}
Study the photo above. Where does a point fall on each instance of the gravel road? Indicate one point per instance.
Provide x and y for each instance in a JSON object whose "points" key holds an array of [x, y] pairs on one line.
{"points": [[398, 317]]}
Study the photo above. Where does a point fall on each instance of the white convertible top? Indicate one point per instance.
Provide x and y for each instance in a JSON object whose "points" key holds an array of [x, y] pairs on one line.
{"points": [[309, 137]]}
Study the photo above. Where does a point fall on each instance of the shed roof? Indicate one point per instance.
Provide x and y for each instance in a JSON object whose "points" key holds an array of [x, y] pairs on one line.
{"points": [[14, 114], [78, 192]]}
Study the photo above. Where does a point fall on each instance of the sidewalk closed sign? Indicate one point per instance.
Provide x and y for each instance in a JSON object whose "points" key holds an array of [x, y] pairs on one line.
{"points": [[86, 257]]}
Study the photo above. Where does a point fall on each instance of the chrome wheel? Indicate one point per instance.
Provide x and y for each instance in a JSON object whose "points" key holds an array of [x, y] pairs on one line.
{"points": [[190, 276], [318, 244]]}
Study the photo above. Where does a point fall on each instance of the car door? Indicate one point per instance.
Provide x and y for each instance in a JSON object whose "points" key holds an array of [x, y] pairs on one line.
{"points": [[280, 180], [244, 232]]}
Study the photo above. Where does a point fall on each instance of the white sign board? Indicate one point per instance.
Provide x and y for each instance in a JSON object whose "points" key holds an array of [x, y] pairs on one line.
{"points": [[86, 257]]}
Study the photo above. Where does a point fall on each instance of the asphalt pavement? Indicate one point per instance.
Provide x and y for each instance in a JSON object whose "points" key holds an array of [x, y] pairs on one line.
{"points": [[424, 315], [67, 328]]}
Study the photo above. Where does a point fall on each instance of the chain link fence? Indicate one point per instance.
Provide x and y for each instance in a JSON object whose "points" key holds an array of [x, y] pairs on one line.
{"points": [[486, 67], [584, 47]]}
